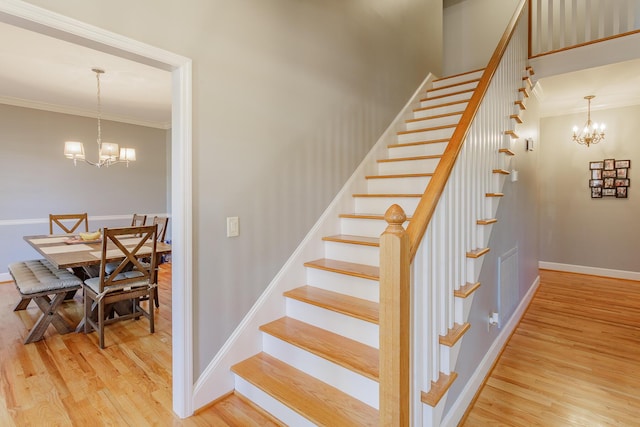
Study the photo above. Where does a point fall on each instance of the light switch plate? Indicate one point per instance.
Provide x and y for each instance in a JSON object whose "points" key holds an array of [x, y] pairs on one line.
{"points": [[233, 226]]}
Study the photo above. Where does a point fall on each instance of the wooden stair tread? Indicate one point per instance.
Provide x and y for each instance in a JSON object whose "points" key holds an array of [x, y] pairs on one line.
{"points": [[349, 268], [386, 195], [336, 302], [520, 104], [457, 75], [511, 133], [439, 116], [400, 175], [494, 194], [477, 253], [454, 334], [356, 240], [444, 104], [501, 171], [507, 151], [405, 159], [340, 350], [529, 69], [430, 98], [407, 132], [454, 85], [486, 221], [524, 91], [528, 81], [412, 144], [317, 401], [517, 118], [438, 389], [466, 290], [366, 216]]}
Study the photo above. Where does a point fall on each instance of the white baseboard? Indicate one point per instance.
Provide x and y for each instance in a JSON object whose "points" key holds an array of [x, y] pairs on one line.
{"points": [[593, 271], [465, 398]]}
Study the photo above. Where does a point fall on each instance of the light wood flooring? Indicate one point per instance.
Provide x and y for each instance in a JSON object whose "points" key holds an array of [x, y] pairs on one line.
{"points": [[66, 380], [574, 359]]}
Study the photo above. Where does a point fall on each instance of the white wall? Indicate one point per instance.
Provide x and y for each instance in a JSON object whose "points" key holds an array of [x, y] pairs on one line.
{"points": [[288, 97], [472, 29], [39, 180], [576, 229]]}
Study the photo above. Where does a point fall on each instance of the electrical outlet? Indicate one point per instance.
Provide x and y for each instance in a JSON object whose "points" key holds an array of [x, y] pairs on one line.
{"points": [[233, 226]]}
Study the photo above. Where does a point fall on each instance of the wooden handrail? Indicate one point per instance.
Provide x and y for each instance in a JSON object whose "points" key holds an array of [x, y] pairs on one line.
{"points": [[427, 205]]}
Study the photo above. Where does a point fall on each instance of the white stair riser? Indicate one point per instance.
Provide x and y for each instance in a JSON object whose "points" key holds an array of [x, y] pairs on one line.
{"points": [[379, 205], [426, 135], [457, 79], [364, 227], [404, 185], [271, 405], [464, 96], [474, 265], [360, 254], [350, 327], [451, 89], [448, 357], [431, 416], [345, 284], [347, 381], [408, 166], [484, 232], [432, 122], [463, 308], [435, 148], [444, 109]]}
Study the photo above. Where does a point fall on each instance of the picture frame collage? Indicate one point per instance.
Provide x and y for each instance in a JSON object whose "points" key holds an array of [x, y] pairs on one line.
{"points": [[609, 178]]}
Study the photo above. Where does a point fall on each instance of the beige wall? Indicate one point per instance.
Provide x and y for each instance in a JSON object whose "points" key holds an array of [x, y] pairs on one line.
{"points": [[472, 29], [576, 229], [288, 96], [38, 180]]}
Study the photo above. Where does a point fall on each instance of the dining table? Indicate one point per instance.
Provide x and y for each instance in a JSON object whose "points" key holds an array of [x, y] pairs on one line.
{"points": [[84, 257]]}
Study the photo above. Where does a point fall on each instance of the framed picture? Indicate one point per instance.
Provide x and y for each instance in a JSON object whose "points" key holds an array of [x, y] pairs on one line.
{"points": [[623, 164], [621, 173], [622, 183], [621, 192], [609, 174], [609, 164], [597, 173], [608, 191], [595, 183], [596, 165], [609, 182], [596, 192]]}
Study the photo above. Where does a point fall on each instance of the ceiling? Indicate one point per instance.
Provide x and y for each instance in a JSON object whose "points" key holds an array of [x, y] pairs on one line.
{"points": [[39, 71]]}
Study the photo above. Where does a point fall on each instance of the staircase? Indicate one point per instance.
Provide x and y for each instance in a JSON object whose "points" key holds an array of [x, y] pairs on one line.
{"points": [[319, 363]]}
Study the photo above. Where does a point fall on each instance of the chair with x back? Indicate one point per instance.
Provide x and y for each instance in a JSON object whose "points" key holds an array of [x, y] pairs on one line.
{"points": [[122, 286], [138, 220], [62, 221]]}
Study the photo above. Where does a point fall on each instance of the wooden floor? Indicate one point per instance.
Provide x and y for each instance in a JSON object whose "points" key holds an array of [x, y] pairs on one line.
{"points": [[574, 360], [66, 380]]}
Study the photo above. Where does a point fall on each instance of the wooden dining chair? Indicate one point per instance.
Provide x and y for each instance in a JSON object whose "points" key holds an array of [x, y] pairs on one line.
{"points": [[124, 287], [138, 220], [62, 222], [161, 222]]}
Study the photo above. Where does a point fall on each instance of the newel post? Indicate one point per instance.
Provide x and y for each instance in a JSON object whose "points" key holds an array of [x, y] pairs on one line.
{"points": [[394, 322]]}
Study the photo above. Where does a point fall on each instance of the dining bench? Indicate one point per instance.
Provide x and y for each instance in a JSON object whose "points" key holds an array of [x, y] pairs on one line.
{"points": [[41, 281]]}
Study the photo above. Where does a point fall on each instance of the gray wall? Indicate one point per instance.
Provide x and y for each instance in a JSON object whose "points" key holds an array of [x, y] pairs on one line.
{"points": [[576, 229], [288, 97], [472, 29], [38, 180], [517, 226]]}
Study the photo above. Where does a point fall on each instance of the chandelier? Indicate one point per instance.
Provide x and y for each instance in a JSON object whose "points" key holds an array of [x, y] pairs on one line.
{"points": [[108, 153], [592, 133]]}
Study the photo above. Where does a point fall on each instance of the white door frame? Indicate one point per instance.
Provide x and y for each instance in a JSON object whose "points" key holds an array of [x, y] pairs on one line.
{"points": [[41, 20]]}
